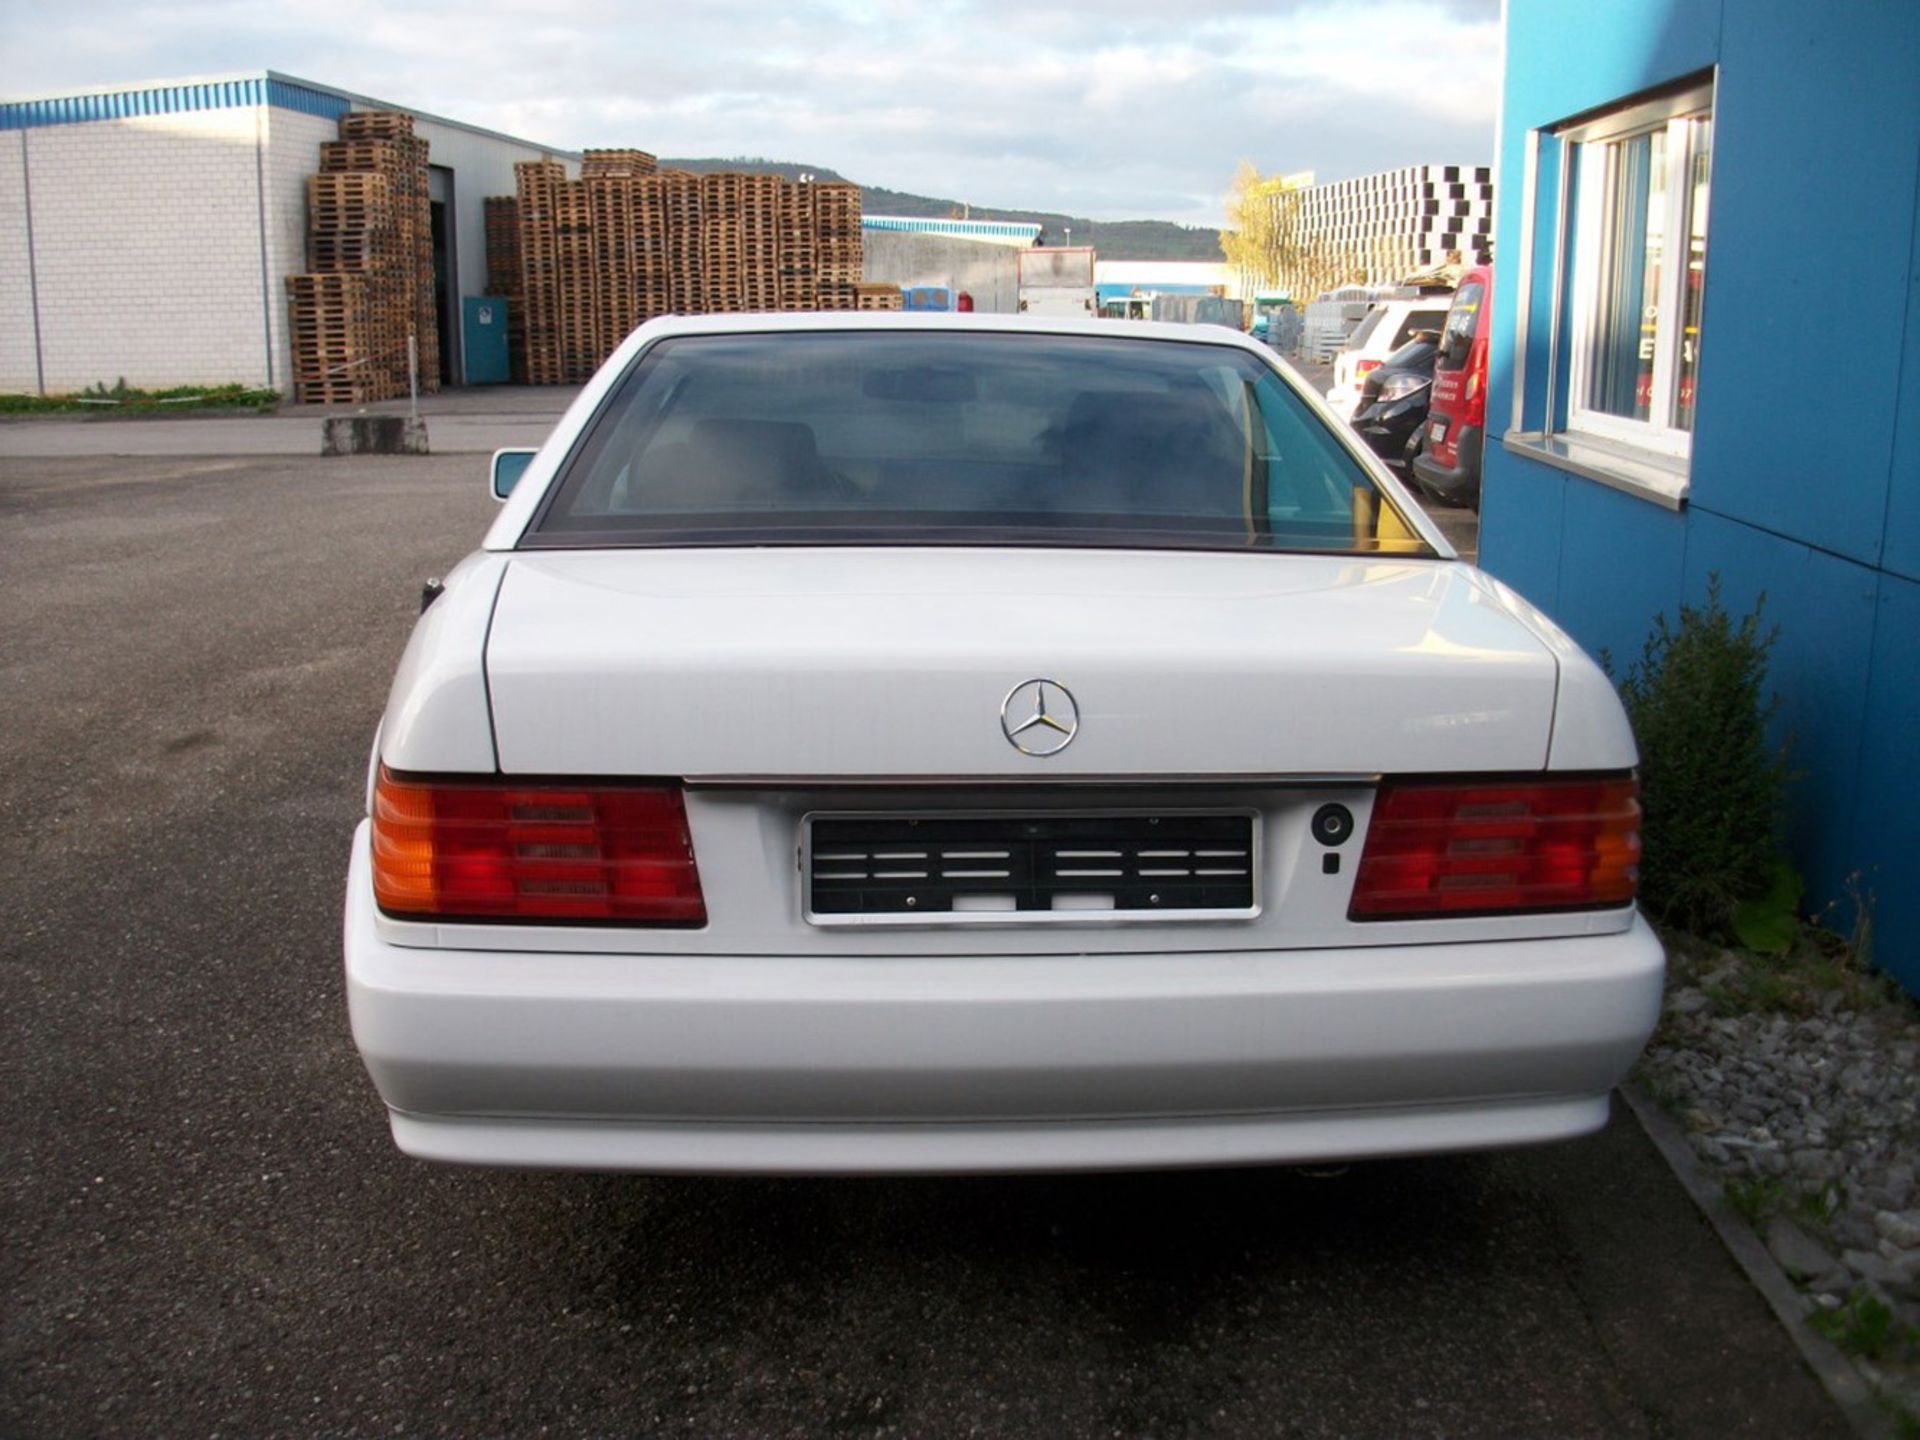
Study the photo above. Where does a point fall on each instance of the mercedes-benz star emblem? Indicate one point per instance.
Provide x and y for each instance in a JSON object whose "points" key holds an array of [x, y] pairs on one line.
{"points": [[1040, 717]]}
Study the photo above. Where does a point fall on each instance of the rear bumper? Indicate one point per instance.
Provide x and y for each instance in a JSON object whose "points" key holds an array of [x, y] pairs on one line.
{"points": [[1342, 399], [1391, 430], [958, 1148], [821, 1064], [1459, 481]]}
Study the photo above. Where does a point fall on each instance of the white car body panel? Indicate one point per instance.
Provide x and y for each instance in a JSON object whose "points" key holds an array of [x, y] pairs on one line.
{"points": [[784, 682], [885, 662], [654, 1061], [1590, 729], [437, 712]]}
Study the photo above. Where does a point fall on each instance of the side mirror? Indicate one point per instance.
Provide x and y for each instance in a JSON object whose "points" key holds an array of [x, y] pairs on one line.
{"points": [[508, 467]]}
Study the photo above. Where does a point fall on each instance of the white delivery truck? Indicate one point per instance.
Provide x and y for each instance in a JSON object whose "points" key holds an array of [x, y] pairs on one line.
{"points": [[1058, 280]]}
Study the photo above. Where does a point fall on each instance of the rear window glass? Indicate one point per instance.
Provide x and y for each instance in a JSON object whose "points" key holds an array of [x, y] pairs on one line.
{"points": [[1369, 322], [1457, 340], [854, 437], [1410, 356], [1430, 320]]}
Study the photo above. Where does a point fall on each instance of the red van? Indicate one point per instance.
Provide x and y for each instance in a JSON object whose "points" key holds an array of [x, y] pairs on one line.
{"points": [[1449, 467]]}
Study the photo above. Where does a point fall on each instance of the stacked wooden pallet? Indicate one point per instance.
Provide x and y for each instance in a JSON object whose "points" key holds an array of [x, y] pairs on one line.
{"points": [[503, 277], [370, 261], [327, 317], [536, 185], [797, 241], [684, 223], [601, 255], [836, 208], [608, 178]]}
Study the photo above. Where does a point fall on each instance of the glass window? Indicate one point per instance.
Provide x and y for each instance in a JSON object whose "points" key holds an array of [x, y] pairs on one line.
{"points": [[1456, 341], [1639, 265], [1693, 281], [1362, 332], [1626, 302], [1417, 320], [862, 437]]}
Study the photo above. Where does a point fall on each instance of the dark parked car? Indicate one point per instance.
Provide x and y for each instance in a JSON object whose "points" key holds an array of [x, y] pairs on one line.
{"points": [[1392, 413]]}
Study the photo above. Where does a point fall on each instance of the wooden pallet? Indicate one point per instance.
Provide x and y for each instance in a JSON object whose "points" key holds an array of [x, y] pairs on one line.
{"points": [[616, 162], [376, 125], [597, 256]]}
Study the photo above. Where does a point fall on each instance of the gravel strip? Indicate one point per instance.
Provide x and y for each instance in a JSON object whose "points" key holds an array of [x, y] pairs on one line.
{"points": [[1798, 1091]]}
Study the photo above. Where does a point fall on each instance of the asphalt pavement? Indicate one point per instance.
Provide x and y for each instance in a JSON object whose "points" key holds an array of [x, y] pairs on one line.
{"points": [[208, 1232]]}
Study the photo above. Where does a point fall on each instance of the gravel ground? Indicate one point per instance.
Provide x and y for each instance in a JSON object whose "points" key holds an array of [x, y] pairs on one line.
{"points": [[1797, 1085]]}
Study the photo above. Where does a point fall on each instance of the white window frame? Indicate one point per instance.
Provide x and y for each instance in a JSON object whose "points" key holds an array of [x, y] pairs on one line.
{"points": [[1593, 140]]}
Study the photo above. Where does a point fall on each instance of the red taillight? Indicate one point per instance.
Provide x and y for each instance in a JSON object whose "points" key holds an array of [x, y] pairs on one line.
{"points": [[1476, 394], [1491, 847], [499, 850], [1364, 367]]}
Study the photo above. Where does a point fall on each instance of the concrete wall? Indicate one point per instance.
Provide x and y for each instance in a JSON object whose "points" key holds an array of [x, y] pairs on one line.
{"points": [[161, 243], [990, 273], [19, 365], [1805, 472], [146, 250]]}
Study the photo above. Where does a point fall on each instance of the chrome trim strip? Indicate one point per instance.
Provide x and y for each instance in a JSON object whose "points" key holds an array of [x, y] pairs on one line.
{"points": [[1030, 781]]}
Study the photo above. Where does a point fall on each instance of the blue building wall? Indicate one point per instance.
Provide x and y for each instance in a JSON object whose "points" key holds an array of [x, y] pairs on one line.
{"points": [[1805, 474]]}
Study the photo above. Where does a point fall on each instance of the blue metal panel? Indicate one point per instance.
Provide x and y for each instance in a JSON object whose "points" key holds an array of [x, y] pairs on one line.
{"points": [[1902, 550], [1887, 823], [928, 225], [1564, 59], [485, 336], [1506, 299], [305, 100], [1627, 567], [1814, 272], [1814, 259], [1150, 287], [121, 104], [1520, 510], [1824, 607]]}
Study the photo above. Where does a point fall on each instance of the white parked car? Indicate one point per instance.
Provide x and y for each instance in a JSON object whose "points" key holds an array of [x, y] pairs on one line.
{"points": [[967, 743], [1381, 331]]}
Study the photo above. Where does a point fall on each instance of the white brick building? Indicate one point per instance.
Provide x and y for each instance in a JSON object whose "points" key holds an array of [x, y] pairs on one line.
{"points": [[147, 231]]}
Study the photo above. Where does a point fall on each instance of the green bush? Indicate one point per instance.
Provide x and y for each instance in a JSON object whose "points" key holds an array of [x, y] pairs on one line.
{"points": [[122, 399], [1710, 785]]}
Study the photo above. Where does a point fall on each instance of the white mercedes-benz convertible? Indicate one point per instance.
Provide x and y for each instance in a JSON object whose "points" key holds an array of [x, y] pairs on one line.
{"points": [[924, 743]]}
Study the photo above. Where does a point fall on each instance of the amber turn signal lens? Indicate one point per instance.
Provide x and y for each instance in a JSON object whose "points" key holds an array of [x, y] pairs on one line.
{"points": [[500, 850]]}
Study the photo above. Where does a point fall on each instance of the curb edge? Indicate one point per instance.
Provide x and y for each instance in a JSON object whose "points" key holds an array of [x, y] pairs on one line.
{"points": [[1845, 1385]]}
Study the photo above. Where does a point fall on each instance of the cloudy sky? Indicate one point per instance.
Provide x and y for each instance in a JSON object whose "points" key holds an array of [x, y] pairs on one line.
{"points": [[1117, 109]]}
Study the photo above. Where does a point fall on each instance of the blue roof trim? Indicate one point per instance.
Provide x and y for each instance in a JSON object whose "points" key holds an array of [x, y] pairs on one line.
{"points": [[288, 96], [1014, 229], [124, 104]]}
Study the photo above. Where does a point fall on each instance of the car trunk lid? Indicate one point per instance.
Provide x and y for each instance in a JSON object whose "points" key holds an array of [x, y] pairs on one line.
{"points": [[879, 663]]}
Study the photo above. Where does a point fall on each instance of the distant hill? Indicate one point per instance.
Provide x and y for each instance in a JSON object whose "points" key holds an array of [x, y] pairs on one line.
{"points": [[1114, 239]]}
